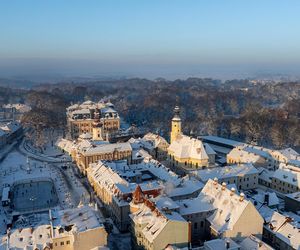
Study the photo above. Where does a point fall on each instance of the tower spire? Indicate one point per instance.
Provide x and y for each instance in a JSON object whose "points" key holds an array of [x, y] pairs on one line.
{"points": [[176, 124]]}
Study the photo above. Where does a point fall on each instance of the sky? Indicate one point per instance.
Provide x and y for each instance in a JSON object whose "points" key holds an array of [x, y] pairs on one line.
{"points": [[154, 38]]}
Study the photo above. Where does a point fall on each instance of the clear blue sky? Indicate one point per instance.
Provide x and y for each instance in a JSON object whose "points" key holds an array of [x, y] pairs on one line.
{"points": [[154, 37]]}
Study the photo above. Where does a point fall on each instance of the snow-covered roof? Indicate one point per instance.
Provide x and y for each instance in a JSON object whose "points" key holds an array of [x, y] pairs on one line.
{"points": [[2, 132], [294, 196], [155, 221], [156, 139], [224, 141], [65, 144], [141, 143], [272, 198], [254, 243], [229, 206], [202, 203], [289, 153], [85, 135], [87, 108], [288, 175], [164, 202], [10, 127], [187, 147], [19, 107], [79, 219], [140, 154], [265, 174], [5, 194], [226, 172], [283, 228], [221, 244], [188, 187], [38, 236], [106, 148], [249, 153]]}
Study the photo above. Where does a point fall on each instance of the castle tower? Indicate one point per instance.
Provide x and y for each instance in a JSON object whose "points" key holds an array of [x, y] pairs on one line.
{"points": [[176, 124], [97, 128]]}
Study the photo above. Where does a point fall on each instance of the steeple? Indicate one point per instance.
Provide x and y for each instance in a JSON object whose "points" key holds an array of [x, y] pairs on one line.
{"points": [[176, 124], [97, 127]]}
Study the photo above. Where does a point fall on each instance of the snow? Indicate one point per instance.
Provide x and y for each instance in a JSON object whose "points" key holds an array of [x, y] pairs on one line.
{"points": [[107, 148], [287, 175], [80, 219], [38, 230], [187, 147], [225, 172], [254, 243], [11, 127], [221, 244], [289, 153], [211, 139], [154, 222], [284, 230], [188, 187], [273, 199], [156, 139], [229, 206], [5, 194], [201, 203], [294, 196], [164, 202]]}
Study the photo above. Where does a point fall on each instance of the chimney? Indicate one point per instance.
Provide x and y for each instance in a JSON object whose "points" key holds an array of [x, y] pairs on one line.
{"points": [[242, 196], [232, 191], [215, 181], [266, 199], [227, 244], [223, 186]]}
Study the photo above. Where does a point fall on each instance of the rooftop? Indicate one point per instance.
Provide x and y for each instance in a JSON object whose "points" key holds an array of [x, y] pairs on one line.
{"points": [[226, 172]]}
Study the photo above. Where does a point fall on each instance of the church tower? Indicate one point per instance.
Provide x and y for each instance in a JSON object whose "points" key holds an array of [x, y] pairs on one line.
{"points": [[176, 124], [97, 128]]}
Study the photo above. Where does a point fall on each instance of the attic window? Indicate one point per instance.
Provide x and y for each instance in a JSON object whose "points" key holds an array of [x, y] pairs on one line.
{"points": [[21, 239]]}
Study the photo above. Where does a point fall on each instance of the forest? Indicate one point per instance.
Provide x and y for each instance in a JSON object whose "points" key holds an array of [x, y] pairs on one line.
{"points": [[266, 114]]}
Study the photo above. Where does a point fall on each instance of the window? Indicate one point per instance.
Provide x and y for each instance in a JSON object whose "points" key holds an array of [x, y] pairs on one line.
{"points": [[195, 225], [202, 224], [62, 243], [68, 242]]}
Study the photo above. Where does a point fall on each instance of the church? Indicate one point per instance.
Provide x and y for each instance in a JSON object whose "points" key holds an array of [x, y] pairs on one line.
{"points": [[186, 152]]}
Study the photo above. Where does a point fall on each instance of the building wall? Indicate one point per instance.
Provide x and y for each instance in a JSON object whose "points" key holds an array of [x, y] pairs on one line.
{"points": [[291, 204], [187, 163], [83, 240], [90, 239], [284, 187], [175, 233], [118, 212], [63, 243], [78, 127], [84, 160], [198, 225], [244, 226], [175, 129], [270, 237], [245, 182]]}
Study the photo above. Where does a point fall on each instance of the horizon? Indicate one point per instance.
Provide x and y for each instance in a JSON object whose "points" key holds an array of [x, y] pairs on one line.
{"points": [[217, 39]]}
